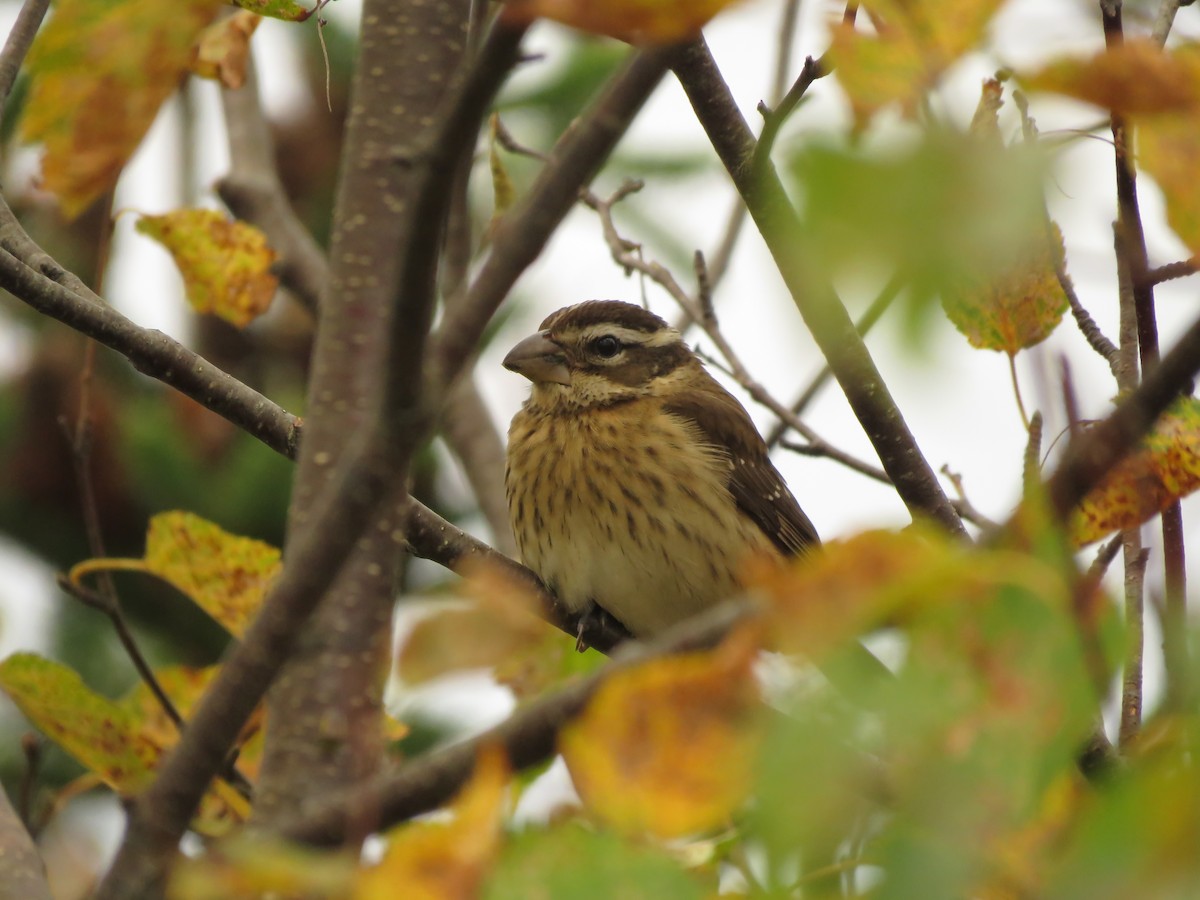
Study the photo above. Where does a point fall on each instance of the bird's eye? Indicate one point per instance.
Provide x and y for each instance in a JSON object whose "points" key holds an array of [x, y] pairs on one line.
{"points": [[606, 346]]}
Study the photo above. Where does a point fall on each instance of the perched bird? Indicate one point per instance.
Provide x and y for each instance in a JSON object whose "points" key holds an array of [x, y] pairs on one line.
{"points": [[635, 481]]}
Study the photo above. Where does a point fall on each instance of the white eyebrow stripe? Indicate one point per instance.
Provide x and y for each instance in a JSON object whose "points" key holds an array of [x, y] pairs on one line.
{"points": [[660, 338]]}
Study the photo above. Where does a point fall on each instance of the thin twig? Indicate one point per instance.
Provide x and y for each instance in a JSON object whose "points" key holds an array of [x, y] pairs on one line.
{"points": [[882, 302], [627, 254], [1083, 319], [107, 605], [1164, 20], [1170, 271], [32, 748], [814, 297], [522, 233], [965, 507], [773, 118], [17, 45]]}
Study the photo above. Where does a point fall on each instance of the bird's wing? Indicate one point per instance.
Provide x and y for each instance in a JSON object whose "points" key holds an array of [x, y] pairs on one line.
{"points": [[757, 487]]}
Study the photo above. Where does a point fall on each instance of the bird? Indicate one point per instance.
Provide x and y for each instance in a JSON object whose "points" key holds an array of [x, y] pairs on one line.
{"points": [[636, 483]]}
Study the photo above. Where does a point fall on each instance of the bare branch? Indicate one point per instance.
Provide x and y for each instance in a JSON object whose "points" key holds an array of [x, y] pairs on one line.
{"points": [[17, 44]]}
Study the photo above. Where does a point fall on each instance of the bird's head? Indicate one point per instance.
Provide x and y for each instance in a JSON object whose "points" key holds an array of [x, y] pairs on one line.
{"points": [[600, 353]]}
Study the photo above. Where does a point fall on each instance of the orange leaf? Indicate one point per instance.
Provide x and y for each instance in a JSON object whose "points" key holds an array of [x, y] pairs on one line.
{"points": [[99, 72], [1136, 77], [667, 747], [226, 265], [853, 586], [224, 49], [636, 21], [1165, 469], [1017, 309], [445, 861]]}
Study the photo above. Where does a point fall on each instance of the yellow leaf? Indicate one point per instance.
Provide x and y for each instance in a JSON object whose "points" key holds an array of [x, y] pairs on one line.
{"points": [[445, 861], [115, 740], [1165, 469], [1018, 308], [256, 866], [1136, 77], [226, 265], [636, 21], [668, 747], [225, 575], [99, 733], [917, 41], [224, 49], [99, 72], [1167, 148]]}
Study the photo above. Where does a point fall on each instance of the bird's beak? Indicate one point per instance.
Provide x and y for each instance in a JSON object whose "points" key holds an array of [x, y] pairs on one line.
{"points": [[539, 359]]}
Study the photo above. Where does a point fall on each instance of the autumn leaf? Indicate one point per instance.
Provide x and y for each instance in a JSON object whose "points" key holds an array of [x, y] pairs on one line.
{"points": [[499, 629], [224, 49], [917, 41], [667, 747], [252, 865], [119, 742], [636, 21], [288, 10], [1167, 149], [225, 575], [99, 733], [1164, 469], [226, 265], [1136, 77], [820, 601], [185, 685], [1018, 308], [445, 860], [99, 72]]}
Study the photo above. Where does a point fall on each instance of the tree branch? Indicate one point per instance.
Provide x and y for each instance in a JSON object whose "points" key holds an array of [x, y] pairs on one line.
{"points": [[17, 44], [524, 230], [341, 513], [824, 314], [22, 873]]}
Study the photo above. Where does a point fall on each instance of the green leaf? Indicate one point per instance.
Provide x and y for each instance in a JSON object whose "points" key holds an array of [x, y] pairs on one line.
{"points": [[101, 734], [288, 10], [569, 861]]}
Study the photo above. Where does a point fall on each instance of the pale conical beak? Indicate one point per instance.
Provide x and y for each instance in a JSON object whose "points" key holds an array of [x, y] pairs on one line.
{"points": [[539, 359]]}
